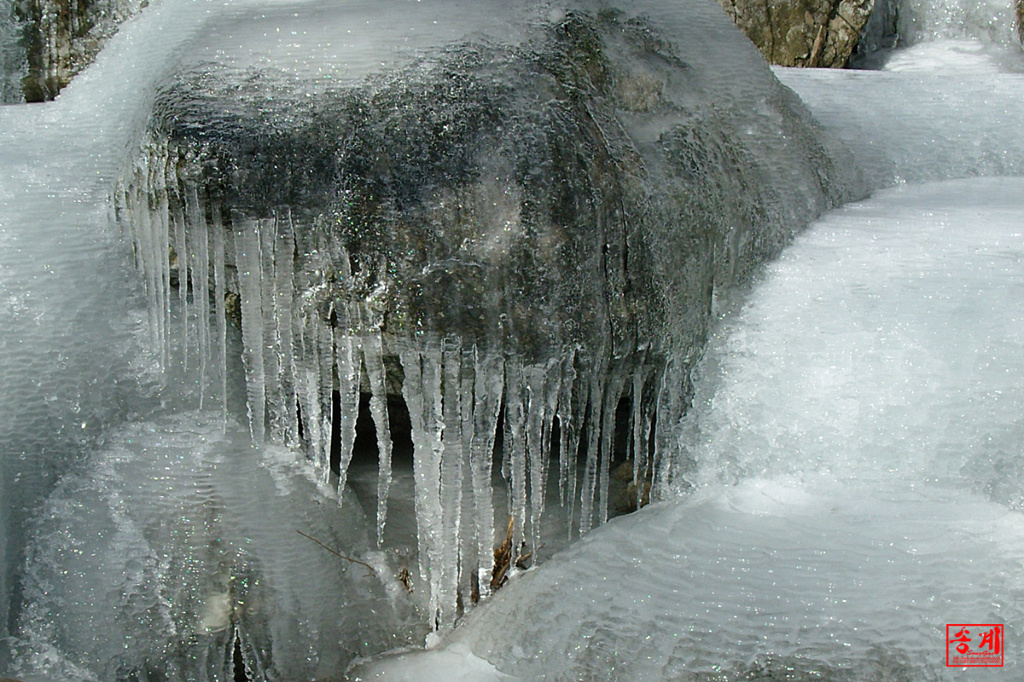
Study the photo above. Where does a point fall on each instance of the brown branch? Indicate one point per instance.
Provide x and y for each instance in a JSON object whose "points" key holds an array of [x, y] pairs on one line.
{"points": [[338, 554]]}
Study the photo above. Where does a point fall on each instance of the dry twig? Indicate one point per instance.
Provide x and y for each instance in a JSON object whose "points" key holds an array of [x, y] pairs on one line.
{"points": [[502, 559], [338, 554]]}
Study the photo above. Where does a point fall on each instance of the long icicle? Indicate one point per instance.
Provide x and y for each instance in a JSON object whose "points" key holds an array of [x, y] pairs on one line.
{"points": [[515, 446], [469, 560], [488, 388], [195, 214], [348, 358], [542, 381], [168, 172], [594, 414], [307, 383], [284, 288], [247, 259], [422, 389], [373, 357], [612, 393], [451, 478], [271, 338], [217, 232]]}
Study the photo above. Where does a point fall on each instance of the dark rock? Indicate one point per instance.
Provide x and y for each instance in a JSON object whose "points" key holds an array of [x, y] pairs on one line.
{"points": [[495, 193]]}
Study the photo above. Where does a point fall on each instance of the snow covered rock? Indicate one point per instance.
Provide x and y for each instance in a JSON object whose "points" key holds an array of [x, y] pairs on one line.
{"points": [[522, 212]]}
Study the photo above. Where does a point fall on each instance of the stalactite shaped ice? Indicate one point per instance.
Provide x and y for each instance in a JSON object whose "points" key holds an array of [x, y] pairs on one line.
{"points": [[270, 347], [612, 394], [422, 392], [467, 557], [323, 336], [219, 246], [516, 404], [488, 388], [451, 488], [199, 276], [571, 410], [173, 213], [542, 385], [348, 358], [373, 359], [595, 404], [307, 384], [249, 263], [284, 323]]}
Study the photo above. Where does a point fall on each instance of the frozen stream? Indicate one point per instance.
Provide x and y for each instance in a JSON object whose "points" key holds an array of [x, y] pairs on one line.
{"points": [[851, 477]]}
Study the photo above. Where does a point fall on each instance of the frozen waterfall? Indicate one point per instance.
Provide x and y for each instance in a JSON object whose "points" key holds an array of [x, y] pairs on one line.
{"points": [[327, 329]]}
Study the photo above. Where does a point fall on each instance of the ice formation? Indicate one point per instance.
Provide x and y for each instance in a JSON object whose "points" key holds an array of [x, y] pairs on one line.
{"points": [[853, 442], [513, 221], [857, 480], [307, 358], [525, 237]]}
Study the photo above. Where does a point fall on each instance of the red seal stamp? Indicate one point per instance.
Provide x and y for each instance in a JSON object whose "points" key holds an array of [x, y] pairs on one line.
{"points": [[974, 645]]}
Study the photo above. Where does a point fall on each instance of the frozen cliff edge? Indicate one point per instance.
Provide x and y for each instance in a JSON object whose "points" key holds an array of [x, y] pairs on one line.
{"points": [[517, 224]]}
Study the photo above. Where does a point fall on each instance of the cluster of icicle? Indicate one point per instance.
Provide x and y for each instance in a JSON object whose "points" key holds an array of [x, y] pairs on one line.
{"points": [[301, 350]]}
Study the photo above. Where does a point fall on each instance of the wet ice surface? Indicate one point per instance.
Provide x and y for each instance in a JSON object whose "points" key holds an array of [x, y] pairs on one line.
{"points": [[940, 110], [855, 446], [176, 538]]}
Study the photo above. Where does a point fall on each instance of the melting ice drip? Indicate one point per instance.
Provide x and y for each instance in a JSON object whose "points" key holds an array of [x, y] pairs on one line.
{"points": [[308, 355]]}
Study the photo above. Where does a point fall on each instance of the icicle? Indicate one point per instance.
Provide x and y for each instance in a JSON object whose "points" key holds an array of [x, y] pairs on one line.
{"points": [[641, 430], [325, 389], [284, 287], [488, 387], [451, 478], [542, 383], [469, 560], [672, 399], [145, 251], [594, 413], [163, 274], [199, 256], [220, 313], [613, 392], [515, 447], [566, 426], [422, 391], [271, 340], [373, 357], [572, 414], [181, 247], [248, 262], [307, 383], [348, 358]]}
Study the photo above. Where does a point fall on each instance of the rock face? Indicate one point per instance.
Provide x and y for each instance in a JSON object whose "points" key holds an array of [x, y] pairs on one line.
{"points": [[820, 33], [63, 36]]}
